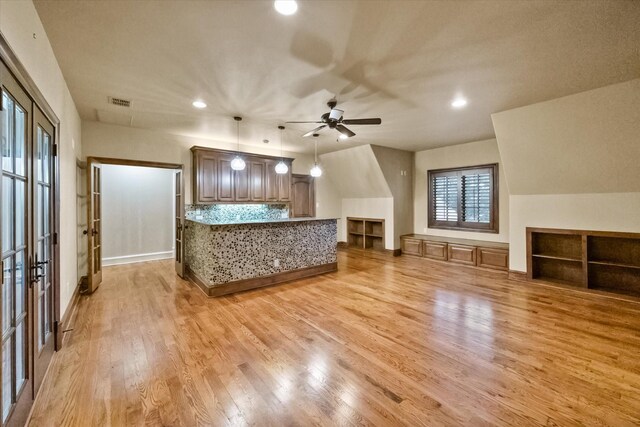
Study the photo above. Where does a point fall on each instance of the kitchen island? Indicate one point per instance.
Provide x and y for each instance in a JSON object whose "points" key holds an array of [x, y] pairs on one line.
{"points": [[233, 256]]}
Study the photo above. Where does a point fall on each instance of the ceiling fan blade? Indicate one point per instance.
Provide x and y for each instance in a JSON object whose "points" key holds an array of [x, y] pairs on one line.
{"points": [[343, 130], [311, 132], [362, 121], [303, 122]]}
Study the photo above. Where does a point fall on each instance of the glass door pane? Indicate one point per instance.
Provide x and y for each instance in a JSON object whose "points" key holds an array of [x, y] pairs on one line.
{"points": [[14, 133], [44, 294]]}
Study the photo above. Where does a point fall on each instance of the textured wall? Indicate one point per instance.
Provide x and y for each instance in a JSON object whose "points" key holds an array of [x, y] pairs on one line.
{"points": [[225, 253]]}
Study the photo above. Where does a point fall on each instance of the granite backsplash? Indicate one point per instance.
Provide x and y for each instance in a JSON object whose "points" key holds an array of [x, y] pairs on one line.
{"points": [[235, 212]]}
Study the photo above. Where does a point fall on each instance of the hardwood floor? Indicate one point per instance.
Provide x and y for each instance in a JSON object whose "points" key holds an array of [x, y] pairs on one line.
{"points": [[383, 341]]}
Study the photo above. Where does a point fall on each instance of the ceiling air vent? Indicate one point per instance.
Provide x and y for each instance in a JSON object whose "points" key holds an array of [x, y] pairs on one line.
{"points": [[120, 102]]}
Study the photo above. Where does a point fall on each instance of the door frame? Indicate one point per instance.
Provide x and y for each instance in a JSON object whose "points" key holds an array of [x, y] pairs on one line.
{"points": [[121, 162], [28, 85]]}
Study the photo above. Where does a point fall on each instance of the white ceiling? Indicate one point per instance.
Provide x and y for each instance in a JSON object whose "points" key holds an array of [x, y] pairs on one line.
{"points": [[403, 61]]}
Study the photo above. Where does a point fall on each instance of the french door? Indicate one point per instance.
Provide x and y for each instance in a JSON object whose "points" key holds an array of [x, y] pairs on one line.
{"points": [[179, 221], [27, 239], [94, 219], [41, 265]]}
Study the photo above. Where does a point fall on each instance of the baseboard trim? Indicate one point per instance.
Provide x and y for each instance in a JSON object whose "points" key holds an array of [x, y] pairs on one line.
{"points": [[68, 315], [130, 259], [259, 282], [518, 275]]}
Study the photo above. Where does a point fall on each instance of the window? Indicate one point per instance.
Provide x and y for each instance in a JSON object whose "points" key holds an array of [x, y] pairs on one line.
{"points": [[464, 198]]}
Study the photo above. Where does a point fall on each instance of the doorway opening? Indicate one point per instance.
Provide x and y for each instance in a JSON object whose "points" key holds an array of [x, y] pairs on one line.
{"points": [[135, 213]]}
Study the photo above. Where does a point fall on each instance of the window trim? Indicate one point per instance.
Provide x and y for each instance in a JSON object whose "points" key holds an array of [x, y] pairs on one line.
{"points": [[491, 227]]}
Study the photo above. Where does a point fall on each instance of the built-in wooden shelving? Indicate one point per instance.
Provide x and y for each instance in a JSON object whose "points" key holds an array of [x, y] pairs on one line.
{"points": [[365, 233], [588, 259]]}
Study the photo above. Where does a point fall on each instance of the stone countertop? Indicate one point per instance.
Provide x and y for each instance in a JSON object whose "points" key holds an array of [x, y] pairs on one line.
{"points": [[260, 221]]}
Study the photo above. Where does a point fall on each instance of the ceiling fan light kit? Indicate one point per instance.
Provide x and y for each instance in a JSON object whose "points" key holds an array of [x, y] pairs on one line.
{"points": [[237, 164]]}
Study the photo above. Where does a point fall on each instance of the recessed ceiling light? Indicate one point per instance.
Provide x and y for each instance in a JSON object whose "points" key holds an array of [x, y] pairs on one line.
{"points": [[286, 7], [459, 102], [199, 104], [343, 136]]}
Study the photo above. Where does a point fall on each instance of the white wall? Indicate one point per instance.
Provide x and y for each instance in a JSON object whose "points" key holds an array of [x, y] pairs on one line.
{"points": [[572, 162], [137, 214], [360, 188], [19, 22], [603, 211], [369, 208], [103, 140], [470, 154]]}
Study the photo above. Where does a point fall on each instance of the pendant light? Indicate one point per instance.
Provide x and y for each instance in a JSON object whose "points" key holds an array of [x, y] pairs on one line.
{"points": [[281, 168], [315, 170], [237, 164]]}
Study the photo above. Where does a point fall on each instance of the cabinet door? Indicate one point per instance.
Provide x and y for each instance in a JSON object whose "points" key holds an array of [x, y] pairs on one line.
{"points": [[303, 196], [271, 181], [225, 178], [435, 250], [257, 181], [243, 184], [412, 246], [205, 190], [462, 254], [284, 191]]}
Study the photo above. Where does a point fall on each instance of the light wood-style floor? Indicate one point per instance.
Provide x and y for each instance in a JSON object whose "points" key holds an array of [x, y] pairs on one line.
{"points": [[384, 341]]}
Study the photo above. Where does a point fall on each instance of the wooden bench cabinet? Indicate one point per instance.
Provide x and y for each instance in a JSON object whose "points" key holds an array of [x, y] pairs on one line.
{"points": [[412, 246], [435, 250], [477, 253]]}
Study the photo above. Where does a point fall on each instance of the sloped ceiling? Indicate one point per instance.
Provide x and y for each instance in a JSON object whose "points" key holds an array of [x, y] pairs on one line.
{"points": [[402, 61], [583, 143], [355, 173]]}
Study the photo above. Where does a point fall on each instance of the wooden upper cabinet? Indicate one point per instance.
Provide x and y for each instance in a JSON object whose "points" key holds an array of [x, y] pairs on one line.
{"points": [[284, 185], [225, 179], [256, 181], [243, 184], [204, 177], [271, 181], [303, 189], [215, 181]]}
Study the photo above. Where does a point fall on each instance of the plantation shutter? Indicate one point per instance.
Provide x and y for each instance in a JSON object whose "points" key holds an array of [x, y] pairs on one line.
{"points": [[445, 196], [464, 198], [476, 197]]}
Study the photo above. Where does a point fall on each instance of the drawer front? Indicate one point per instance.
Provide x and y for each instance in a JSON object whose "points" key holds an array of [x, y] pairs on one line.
{"points": [[493, 258], [412, 247], [462, 254], [435, 250]]}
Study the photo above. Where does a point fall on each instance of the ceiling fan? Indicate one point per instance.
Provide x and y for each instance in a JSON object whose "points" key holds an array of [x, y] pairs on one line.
{"points": [[334, 120]]}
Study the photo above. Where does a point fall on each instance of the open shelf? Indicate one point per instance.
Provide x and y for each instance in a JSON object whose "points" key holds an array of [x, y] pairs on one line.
{"points": [[557, 245], [600, 260], [365, 233], [614, 251], [615, 278], [553, 269]]}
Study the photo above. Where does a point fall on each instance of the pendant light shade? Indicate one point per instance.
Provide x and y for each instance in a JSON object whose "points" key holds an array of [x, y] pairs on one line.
{"points": [[315, 170], [237, 164], [281, 168]]}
